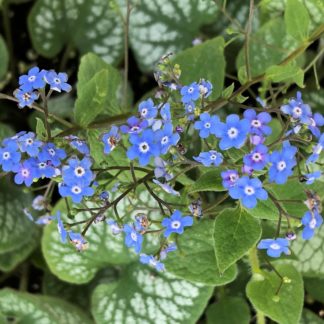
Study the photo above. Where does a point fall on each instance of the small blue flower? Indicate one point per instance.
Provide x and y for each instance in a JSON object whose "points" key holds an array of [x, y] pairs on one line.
{"points": [[25, 173], [60, 227], [143, 147], [78, 144], [166, 138], [160, 170], [176, 223], [42, 168], [33, 80], [315, 121], [167, 249], [257, 139], [311, 177], [167, 188], [209, 158], [76, 191], [248, 191], [190, 110], [298, 110], [52, 154], [205, 88], [78, 241], [44, 220], [258, 122], [29, 144], [230, 178], [207, 125], [275, 247], [9, 157], [135, 126], [190, 93], [25, 98], [282, 163], [39, 203], [115, 228], [147, 110], [152, 261], [317, 149], [133, 238], [311, 221], [258, 158], [77, 171], [57, 81], [165, 113], [111, 139], [233, 133]]}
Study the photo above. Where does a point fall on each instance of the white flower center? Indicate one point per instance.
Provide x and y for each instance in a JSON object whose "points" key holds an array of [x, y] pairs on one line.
{"points": [[134, 128], [249, 190], [6, 155], [42, 165], [144, 112], [256, 123], [175, 224], [213, 157], [79, 171], [51, 152], [297, 111], [144, 147], [165, 140], [29, 141], [25, 172], [281, 165], [134, 236], [312, 223], [207, 125], [275, 246], [191, 90], [57, 80], [256, 157], [233, 177], [232, 132], [76, 189], [32, 78], [26, 96]]}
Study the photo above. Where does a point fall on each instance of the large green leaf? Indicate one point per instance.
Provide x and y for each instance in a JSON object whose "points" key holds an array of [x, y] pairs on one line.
{"points": [[236, 231], [195, 258], [159, 27], [29, 309], [297, 19], [89, 26], [285, 308], [209, 181], [205, 61], [4, 58], [310, 318], [229, 310], [15, 228], [144, 296]]}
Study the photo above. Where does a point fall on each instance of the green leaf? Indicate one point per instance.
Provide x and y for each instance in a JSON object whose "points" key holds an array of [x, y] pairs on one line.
{"points": [[157, 27], [209, 181], [236, 231], [262, 293], [269, 46], [195, 258], [286, 73], [4, 58], [315, 287], [16, 229], [310, 318], [229, 310], [227, 92], [40, 129], [205, 61], [89, 26], [29, 309], [144, 296], [297, 19]]}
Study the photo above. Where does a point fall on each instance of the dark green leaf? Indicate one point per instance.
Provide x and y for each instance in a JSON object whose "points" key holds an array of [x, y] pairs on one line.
{"points": [[315, 287], [4, 58], [209, 181]]}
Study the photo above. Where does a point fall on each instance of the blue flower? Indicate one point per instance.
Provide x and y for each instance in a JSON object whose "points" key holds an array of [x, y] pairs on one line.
{"points": [[317, 149], [39, 202], [167, 188], [165, 112], [111, 139], [133, 238], [167, 249], [76, 191], [77, 171], [275, 247], [207, 125], [115, 228], [205, 88], [311, 221], [298, 110], [60, 227], [152, 261], [44, 220], [190, 110], [52, 154], [78, 241], [209, 158], [233, 133], [143, 147], [33, 80], [57, 81], [160, 170], [248, 191], [135, 125], [147, 110], [258, 158], [311, 177], [315, 121], [25, 98], [176, 223], [25, 173], [166, 138], [9, 157], [230, 178], [258, 122], [79, 145], [257, 139], [282, 163], [42, 168], [190, 93], [29, 144]]}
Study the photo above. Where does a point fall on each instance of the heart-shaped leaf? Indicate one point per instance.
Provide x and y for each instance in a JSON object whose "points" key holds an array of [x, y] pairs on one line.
{"points": [[144, 296]]}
